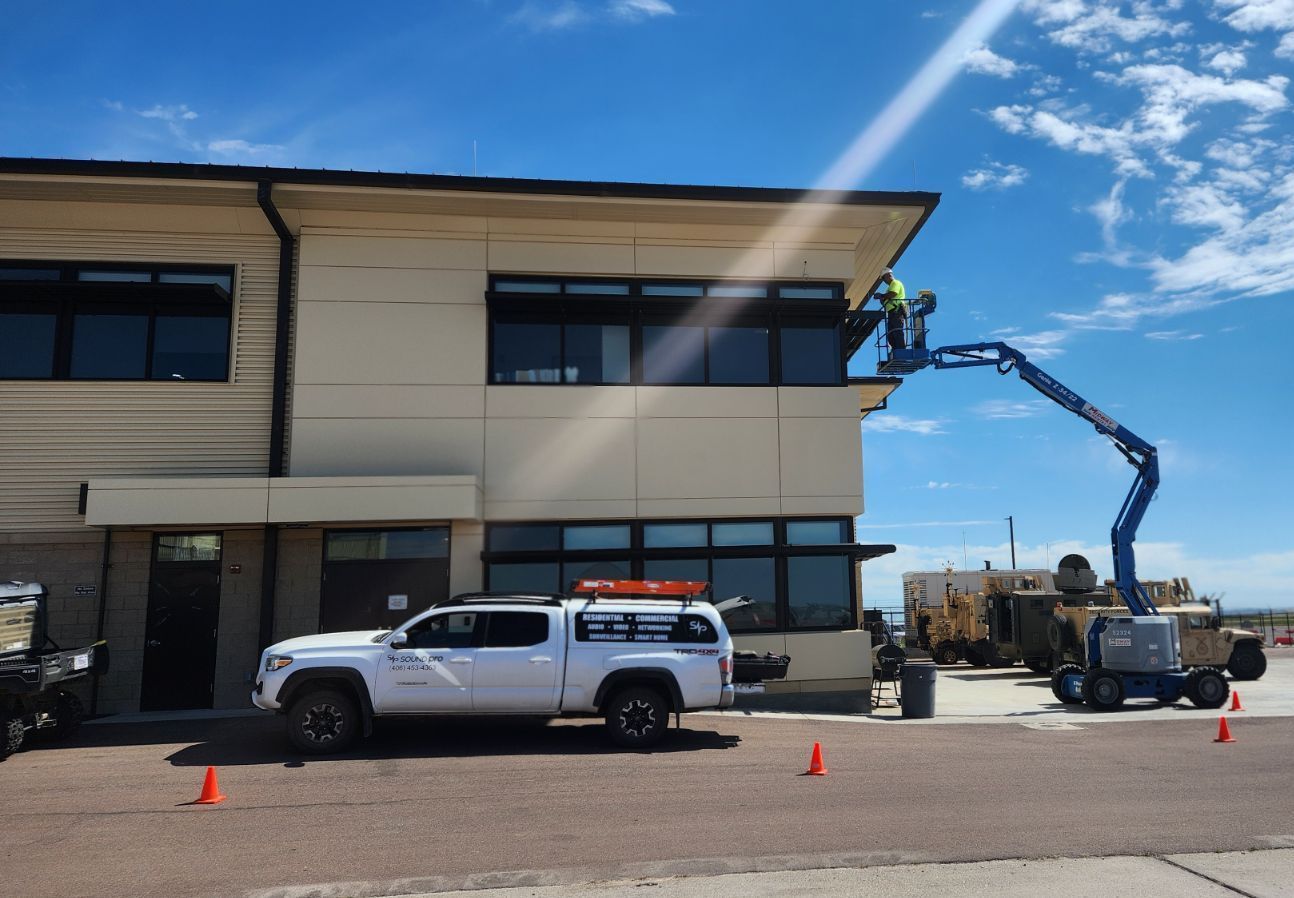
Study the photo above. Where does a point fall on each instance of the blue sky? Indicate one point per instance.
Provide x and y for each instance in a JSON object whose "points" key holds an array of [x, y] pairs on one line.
{"points": [[1118, 201]]}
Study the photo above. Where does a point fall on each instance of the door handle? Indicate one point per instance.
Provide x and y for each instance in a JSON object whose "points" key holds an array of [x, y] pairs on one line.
{"points": [[460, 660], [540, 659], [153, 643]]}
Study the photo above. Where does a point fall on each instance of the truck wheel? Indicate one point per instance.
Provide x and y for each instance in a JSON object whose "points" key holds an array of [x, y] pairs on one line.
{"points": [[1103, 689], [323, 722], [1058, 680], [1247, 662], [68, 714], [1060, 634], [11, 735], [946, 654], [975, 659], [1038, 665], [637, 717], [1206, 687]]}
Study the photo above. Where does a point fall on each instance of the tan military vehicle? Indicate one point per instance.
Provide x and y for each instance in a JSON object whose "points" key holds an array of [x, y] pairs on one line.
{"points": [[959, 629]]}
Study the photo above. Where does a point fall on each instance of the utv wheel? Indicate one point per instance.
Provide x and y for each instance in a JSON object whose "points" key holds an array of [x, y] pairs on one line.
{"points": [[1247, 662], [637, 717], [68, 715], [11, 735], [323, 722], [946, 654], [1103, 689], [1058, 682], [1206, 687]]}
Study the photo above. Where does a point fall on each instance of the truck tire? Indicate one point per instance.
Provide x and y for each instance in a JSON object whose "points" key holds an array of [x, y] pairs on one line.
{"points": [[1038, 665], [1057, 680], [1247, 662], [11, 735], [1206, 687], [946, 653], [1103, 689], [974, 658], [323, 722], [637, 717], [68, 714], [1060, 634]]}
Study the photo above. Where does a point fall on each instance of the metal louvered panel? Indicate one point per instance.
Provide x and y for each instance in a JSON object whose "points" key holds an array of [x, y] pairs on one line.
{"points": [[57, 434]]}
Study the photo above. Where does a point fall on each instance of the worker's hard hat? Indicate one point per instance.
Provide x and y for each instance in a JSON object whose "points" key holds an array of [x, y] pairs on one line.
{"points": [[885, 271]]}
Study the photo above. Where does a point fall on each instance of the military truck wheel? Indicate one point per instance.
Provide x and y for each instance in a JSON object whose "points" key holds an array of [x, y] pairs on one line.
{"points": [[1058, 680], [946, 654], [68, 715], [322, 722], [975, 659], [1206, 687], [1038, 665], [1103, 689], [1247, 662], [637, 717], [11, 735], [1060, 634]]}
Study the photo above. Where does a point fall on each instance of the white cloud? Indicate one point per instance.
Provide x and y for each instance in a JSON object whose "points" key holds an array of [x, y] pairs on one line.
{"points": [[931, 14], [1258, 15], [637, 10], [1093, 27], [1204, 206], [238, 147], [999, 409], [1228, 62], [997, 176], [1042, 345], [983, 61], [888, 423], [114, 105], [1173, 336], [540, 16], [176, 113], [1285, 49]]}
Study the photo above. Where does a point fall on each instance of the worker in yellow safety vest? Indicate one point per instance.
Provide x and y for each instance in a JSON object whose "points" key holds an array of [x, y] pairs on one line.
{"points": [[894, 301]]}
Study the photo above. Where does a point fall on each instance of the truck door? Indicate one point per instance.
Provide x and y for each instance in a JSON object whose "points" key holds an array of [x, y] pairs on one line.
{"points": [[519, 661], [434, 671]]}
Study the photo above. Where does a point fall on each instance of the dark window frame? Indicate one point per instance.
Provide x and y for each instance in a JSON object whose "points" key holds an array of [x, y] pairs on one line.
{"points": [[68, 296], [638, 554], [562, 307]]}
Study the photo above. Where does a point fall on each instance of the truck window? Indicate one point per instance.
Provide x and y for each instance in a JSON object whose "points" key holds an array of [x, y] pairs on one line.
{"points": [[444, 631], [1196, 622], [513, 629]]}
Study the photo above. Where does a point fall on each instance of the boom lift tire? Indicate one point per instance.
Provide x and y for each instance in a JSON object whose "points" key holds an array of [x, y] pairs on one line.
{"points": [[1103, 689], [1206, 687], [637, 717], [946, 654], [11, 735], [323, 722], [1247, 662], [68, 714], [1057, 681]]}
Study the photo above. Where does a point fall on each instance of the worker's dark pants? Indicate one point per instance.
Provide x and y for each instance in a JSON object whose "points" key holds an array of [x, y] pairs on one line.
{"points": [[894, 328]]}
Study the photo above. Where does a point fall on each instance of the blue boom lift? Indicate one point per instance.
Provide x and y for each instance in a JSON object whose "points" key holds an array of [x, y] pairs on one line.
{"points": [[1132, 655]]}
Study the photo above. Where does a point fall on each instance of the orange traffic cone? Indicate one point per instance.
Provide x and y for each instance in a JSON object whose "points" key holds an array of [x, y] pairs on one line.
{"points": [[1235, 702], [210, 789], [1224, 731], [816, 767]]}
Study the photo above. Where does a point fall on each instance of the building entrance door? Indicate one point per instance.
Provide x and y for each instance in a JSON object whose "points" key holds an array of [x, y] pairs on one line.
{"points": [[180, 629], [378, 579]]}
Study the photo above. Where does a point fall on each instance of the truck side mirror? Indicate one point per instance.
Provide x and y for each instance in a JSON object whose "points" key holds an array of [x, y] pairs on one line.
{"points": [[400, 640]]}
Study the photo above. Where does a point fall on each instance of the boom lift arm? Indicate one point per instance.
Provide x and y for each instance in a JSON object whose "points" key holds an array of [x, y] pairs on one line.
{"points": [[1140, 454]]}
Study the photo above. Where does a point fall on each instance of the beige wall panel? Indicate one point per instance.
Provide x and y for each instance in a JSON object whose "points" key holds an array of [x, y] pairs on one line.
{"points": [[387, 401], [560, 459], [162, 218], [707, 458], [822, 505], [820, 457], [709, 261], [154, 507], [559, 510], [406, 502], [787, 233], [466, 540], [323, 447], [336, 283], [390, 221], [708, 508], [707, 402], [749, 642], [817, 402], [539, 401], [390, 343], [574, 258], [560, 227], [829, 656], [833, 264], [392, 252]]}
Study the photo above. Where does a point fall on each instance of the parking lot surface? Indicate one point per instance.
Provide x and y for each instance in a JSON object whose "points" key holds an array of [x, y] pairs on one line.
{"points": [[455, 804]]}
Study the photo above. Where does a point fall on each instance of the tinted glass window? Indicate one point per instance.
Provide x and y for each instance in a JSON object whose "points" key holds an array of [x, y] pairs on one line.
{"points": [[512, 629], [597, 353], [444, 631], [814, 533], [223, 281], [677, 569], [527, 287], [525, 577], [601, 289], [524, 537], [673, 354], [668, 536], [738, 290], [142, 277], [807, 293], [29, 274], [673, 290], [597, 536], [381, 545], [527, 352], [757, 533], [28, 345], [190, 348], [818, 590], [738, 355], [109, 346], [752, 577], [810, 353], [183, 547], [593, 570]]}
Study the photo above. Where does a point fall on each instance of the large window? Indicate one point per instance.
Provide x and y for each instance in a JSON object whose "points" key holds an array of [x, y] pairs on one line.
{"points": [[102, 322], [799, 572], [556, 331]]}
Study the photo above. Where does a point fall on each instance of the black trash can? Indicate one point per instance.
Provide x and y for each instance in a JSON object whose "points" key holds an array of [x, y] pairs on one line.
{"points": [[918, 696]]}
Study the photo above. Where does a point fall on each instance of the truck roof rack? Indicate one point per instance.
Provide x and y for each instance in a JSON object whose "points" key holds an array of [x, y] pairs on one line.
{"points": [[640, 589], [501, 598]]}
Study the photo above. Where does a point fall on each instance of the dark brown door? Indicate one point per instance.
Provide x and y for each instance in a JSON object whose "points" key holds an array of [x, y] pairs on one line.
{"points": [[378, 579], [180, 630]]}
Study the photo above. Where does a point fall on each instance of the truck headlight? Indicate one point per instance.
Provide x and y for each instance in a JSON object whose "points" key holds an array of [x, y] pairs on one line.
{"points": [[277, 662]]}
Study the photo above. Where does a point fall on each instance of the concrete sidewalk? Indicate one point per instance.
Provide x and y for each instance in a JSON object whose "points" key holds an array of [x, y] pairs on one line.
{"points": [[1256, 874]]}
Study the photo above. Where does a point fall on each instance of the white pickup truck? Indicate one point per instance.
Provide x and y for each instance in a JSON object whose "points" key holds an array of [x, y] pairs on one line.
{"points": [[634, 661]]}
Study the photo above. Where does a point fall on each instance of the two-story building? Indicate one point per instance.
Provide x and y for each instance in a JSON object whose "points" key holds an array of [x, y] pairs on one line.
{"points": [[241, 404]]}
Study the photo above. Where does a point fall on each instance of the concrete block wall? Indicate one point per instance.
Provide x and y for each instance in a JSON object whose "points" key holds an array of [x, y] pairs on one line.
{"points": [[296, 597], [240, 615]]}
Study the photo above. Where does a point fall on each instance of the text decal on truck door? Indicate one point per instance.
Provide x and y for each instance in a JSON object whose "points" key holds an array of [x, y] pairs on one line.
{"points": [[642, 626]]}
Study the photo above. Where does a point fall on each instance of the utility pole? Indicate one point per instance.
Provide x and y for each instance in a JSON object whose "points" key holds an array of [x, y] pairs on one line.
{"points": [[1010, 520]]}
